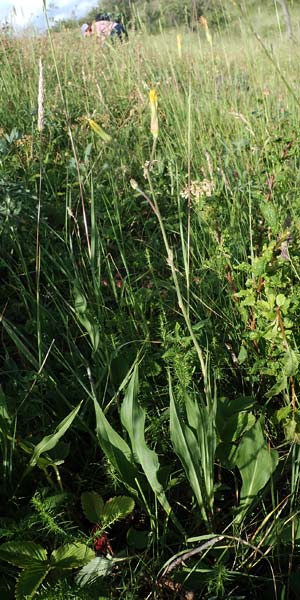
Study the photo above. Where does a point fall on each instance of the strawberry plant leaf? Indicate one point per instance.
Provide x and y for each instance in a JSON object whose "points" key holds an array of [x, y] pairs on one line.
{"points": [[22, 553], [117, 508], [98, 567], [30, 579], [71, 556], [92, 506]]}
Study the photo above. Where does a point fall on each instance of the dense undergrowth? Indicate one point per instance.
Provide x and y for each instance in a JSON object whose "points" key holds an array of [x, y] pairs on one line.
{"points": [[152, 290]]}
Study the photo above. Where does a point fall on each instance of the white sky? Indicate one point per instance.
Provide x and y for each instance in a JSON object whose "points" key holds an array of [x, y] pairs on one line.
{"points": [[23, 12]]}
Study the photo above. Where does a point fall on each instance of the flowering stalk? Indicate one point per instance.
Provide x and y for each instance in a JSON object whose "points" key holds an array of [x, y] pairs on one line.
{"points": [[179, 46], [40, 124], [154, 122], [204, 24], [154, 117]]}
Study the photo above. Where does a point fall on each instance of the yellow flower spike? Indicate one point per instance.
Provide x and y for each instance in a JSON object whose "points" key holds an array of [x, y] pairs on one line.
{"points": [[179, 47], [154, 117], [99, 131]]}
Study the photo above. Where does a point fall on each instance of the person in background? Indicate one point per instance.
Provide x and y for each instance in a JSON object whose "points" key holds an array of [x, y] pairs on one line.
{"points": [[119, 29], [86, 29], [106, 28], [103, 27]]}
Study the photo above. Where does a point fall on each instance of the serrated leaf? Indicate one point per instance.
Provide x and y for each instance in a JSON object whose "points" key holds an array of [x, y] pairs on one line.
{"points": [[71, 556], [133, 418], [50, 441], [117, 508], [96, 568], [256, 463], [21, 554], [92, 506], [30, 579]]}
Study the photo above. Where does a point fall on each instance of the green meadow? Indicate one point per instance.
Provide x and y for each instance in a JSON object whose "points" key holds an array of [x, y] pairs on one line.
{"points": [[149, 313]]}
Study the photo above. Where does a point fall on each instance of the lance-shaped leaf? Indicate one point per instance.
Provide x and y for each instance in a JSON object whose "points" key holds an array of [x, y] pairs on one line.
{"points": [[187, 449], [115, 449], [50, 441], [256, 463], [133, 419]]}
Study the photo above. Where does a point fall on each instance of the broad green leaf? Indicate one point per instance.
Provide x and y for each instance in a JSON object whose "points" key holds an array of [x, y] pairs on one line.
{"points": [[280, 300], [30, 579], [243, 355], [292, 431], [92, 506], [291, 363], [50, 441], [115, 449], [133, 419], [236, 425], [117, 508], [278, 387], [270, 214], [256, 463], [22, 554], [71, 556], [98, 567]]}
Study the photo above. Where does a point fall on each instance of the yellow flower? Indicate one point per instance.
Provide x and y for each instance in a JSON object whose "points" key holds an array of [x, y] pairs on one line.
{"points": [[179, 44], [203, 22], [153, 97], [154, 117]]}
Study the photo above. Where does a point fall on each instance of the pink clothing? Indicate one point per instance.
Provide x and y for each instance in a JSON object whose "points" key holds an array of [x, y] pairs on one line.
{"points": [[103, 29]]}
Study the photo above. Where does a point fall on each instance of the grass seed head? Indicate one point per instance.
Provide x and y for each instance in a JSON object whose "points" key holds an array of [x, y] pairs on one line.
{"points": [[40, 124]]}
